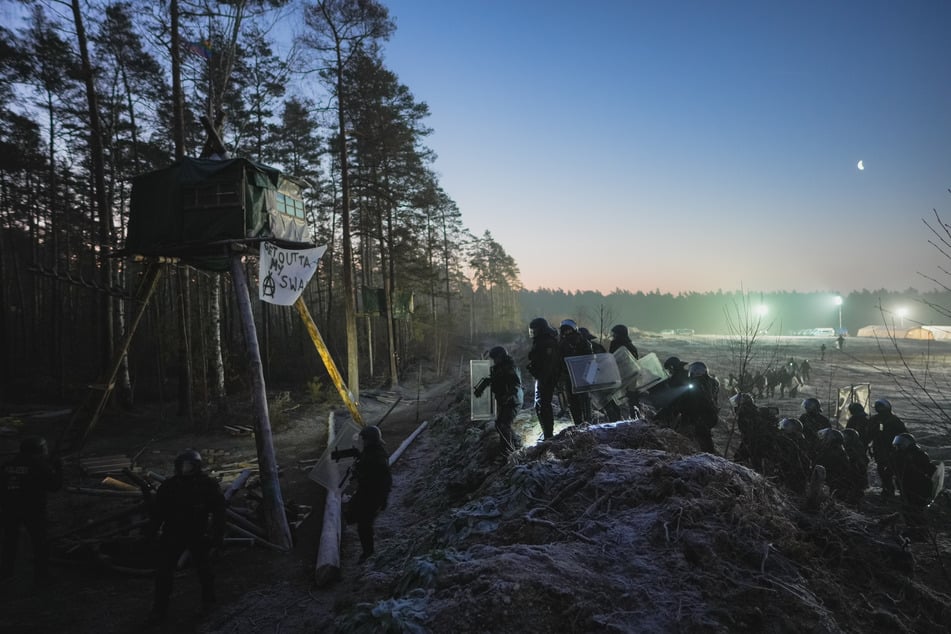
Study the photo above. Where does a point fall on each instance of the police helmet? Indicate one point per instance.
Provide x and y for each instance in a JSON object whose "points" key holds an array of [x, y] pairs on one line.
{"points": [[790, 426], [856, 408], [811, 406], [33, 446], [882, 406], [903, 442], [497, 353], [569, 324], [743, 399], [697, 369], [851, 437], [619, 330], [188, 463], [672, 364], [371, 435], [537, 326], [831, 437]]}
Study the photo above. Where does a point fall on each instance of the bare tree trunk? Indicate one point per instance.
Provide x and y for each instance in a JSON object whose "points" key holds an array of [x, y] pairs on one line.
{"points": [[349, 301], [184, 351], [386, 263], [217, 360]]}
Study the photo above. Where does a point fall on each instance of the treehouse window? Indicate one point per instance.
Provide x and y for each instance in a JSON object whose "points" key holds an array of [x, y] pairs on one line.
{"points": [[290, 206]]}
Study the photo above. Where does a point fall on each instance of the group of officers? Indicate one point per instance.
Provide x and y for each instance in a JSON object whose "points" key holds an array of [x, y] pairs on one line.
{"points": [[791, 450]]}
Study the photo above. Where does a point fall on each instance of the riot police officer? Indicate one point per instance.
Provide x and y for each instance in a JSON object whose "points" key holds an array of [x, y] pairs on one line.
{"points": [[621, 338], [25, 481], [572, 343], [374, 482], [812, 420], [859, 421], [505, 381], [544, 364], [832, 455], [884, 427], [697, 406], [184, 504], [793, 465], [913, 470]]}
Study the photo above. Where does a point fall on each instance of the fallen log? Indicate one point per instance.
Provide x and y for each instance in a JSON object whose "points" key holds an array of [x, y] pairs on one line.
{"points": [[105, 492], [258, 540], [238, 483], [117, 484], [138, 508], [244, 523]]}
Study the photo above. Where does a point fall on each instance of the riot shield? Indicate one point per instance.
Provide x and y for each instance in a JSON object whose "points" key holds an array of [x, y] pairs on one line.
{"points": [[650, 372], [848, 395], [593, 372], [480, 407]]}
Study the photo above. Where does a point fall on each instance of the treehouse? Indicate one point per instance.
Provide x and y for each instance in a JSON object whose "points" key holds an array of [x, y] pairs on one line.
{"points": [[195, 208]]}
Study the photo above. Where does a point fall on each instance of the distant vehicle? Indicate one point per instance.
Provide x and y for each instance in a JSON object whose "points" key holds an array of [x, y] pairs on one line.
{"points": [[816, 332], [685, 331]]}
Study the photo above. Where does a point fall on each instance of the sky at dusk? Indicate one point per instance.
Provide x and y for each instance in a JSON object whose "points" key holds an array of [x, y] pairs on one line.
{"points": [[690, 146]]}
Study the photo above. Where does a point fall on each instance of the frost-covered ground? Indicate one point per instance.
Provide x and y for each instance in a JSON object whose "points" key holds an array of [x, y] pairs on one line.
{"points": [[621, 528]]}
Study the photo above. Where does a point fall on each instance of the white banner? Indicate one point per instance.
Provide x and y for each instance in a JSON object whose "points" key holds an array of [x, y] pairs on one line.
{"points": [[283, 273]]}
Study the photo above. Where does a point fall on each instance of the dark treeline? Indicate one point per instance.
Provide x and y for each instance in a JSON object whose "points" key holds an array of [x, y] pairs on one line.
{"points": [[94, 92], [711, 313]]}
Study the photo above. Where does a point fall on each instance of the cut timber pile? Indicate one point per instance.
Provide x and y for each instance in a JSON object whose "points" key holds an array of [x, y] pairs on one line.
{"points": [[105, 465], [118, 537]]}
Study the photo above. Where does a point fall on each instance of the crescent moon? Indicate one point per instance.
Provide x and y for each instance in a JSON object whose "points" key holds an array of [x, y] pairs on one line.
{"points": [[861, 166]]}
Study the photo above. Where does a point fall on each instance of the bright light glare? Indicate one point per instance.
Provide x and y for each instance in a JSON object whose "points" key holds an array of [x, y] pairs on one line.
{"points": [[838, 300], [761, 310], [902, 311]]}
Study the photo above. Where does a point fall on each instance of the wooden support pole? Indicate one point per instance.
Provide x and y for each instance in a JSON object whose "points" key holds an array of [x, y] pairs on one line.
{"points": [[327, 567], [143, 295], [278, 530], [324, 353]]}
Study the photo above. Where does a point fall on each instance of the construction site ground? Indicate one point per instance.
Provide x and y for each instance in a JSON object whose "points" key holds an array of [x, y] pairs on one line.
{"points": [[621, 528]]}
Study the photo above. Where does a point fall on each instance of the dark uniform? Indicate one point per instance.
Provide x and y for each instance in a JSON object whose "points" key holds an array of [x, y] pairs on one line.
{"points": [[184, 504], [831, 454], [25, 481], [374, 482], [793, 465], [757, 433], [620, 338], [858, 460], [698, 407], [859, 421], [913, 472], [572, 344], [884, 426], [505, 381], [544, 363], [813, 421]]}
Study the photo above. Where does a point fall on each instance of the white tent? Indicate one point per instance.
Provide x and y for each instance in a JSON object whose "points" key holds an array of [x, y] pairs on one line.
{"points": [[931, 333], [882, 332]]}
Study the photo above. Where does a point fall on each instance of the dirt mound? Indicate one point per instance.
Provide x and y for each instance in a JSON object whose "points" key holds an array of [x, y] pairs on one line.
{"points": [[624, 527]]}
